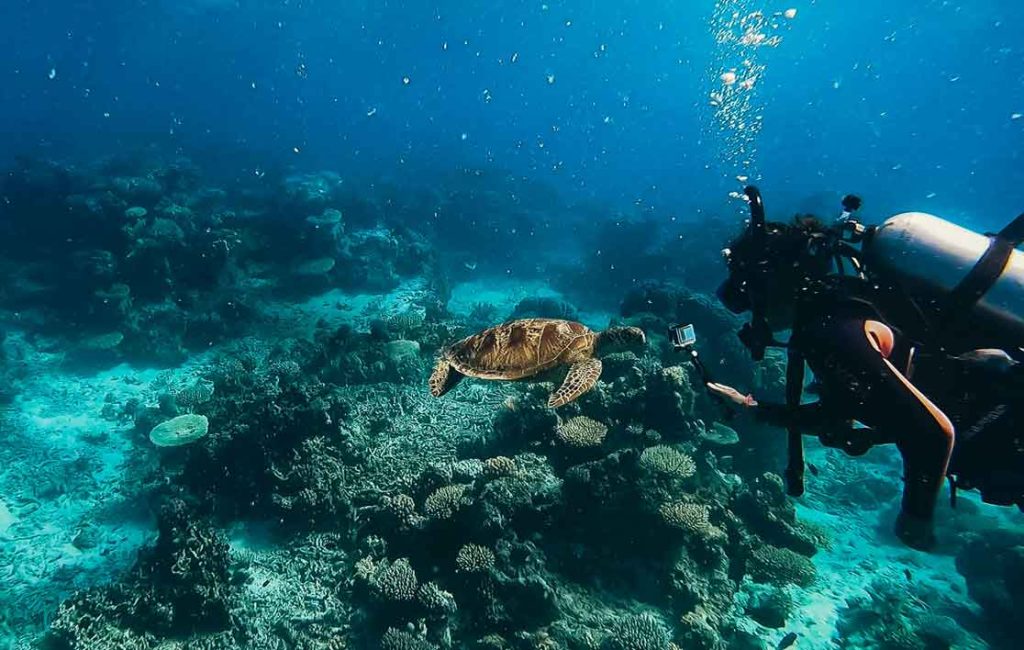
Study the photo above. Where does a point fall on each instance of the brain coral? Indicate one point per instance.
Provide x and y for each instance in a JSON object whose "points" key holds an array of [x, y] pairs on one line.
{"points": [[581, 431], [179, 431]]}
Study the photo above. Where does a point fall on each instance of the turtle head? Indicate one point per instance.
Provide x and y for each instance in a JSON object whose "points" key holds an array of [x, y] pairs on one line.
{"points": [[621, 337]]}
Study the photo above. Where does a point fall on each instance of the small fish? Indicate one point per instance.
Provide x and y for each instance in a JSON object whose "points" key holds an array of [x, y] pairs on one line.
{"points": [[787, 641], [910, 576], [813, 468]]}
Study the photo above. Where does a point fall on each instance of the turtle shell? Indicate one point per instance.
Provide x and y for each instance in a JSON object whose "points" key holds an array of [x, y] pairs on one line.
{"points": [[520, 348]]}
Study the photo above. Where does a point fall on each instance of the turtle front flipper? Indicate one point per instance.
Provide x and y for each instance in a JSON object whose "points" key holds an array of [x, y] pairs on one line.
{"points": [[581, 378], [444, 378]]}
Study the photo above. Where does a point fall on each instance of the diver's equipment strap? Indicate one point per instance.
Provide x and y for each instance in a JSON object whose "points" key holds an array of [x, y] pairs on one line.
{"points": [[987, 270], [794, 392]]}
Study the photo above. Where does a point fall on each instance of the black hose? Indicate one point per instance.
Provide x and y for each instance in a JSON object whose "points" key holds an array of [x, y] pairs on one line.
{"points": [[757, 215]]}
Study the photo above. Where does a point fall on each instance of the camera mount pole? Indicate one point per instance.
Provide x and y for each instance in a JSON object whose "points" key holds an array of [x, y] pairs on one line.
{"points": [[795, 446]]}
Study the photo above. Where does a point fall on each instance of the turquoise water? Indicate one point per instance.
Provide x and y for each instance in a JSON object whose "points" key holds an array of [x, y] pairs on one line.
{"points": [[236, 236]]}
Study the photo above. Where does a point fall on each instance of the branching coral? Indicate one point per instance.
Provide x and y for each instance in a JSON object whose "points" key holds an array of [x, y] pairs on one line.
{"points": [[401, 510], [692, 519], [200, 392], [581, 431], [395, 639], [889, 616], [781, 566], [668, 461], [312, 485], [768, 514], [179, 585], [444, 502], [500, 466], [395, 581], [638, 632], [95, 619], [436, 600], [473, 558]]}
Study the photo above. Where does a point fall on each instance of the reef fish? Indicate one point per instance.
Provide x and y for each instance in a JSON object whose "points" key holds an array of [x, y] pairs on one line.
{"points": [[787, 641]]}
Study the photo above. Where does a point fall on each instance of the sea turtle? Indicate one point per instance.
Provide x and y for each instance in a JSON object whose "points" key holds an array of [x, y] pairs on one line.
{"points": [[523, 348]]}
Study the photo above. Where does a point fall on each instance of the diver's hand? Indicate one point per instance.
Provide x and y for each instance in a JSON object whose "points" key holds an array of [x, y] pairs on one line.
{"points": [[731, 394]]}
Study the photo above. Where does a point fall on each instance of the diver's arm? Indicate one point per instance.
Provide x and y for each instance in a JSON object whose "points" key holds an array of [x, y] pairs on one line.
{"points": [[806, 416], [811, 416]]}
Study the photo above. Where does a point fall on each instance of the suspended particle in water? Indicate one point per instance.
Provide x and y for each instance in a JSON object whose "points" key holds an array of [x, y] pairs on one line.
{"points": [[551, 78], [371, 112], [53, 74], [728, 78], [406, 81], [1016, 116], [789, 13], [515, 57], [464, 137]]}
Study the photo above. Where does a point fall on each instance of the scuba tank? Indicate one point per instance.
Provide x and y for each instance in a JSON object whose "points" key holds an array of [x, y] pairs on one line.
{"points": [[967, 281]]}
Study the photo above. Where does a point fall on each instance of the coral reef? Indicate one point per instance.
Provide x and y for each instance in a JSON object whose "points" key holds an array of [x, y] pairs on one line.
{"points": [[181, 585], [886, 616], [318, 497], [993, 566]]}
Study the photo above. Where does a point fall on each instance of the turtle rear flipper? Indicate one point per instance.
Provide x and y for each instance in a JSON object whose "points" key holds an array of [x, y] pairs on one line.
{"points": [[444, 378], [581, 378]]}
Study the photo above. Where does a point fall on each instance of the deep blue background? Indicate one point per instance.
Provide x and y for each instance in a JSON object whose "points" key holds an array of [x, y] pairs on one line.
{"points": [[895, 100]]}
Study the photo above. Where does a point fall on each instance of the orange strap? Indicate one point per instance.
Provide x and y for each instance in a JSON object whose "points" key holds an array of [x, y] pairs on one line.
{"points": [[883, 340]]}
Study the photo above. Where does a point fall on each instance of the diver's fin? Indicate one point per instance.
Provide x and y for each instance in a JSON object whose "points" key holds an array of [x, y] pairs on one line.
{"points": [[581, 378], [444, 378]]}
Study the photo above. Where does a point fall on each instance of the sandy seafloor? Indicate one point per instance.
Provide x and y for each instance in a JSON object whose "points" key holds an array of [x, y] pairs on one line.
{"points": [[68, 518]]}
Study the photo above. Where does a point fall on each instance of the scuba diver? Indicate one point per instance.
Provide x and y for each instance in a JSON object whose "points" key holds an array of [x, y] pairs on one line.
{"points": [[913, 331]]}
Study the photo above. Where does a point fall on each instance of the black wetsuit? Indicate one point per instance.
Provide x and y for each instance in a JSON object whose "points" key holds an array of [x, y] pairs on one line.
{"points": [[859, 383]]}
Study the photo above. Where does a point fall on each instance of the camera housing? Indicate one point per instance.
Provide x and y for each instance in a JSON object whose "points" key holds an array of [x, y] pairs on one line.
{"points": [[682, 337]]}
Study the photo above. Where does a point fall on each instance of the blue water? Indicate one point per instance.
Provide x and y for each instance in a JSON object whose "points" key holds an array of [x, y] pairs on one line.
{"points": [[334, 191], [896, 101]]}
